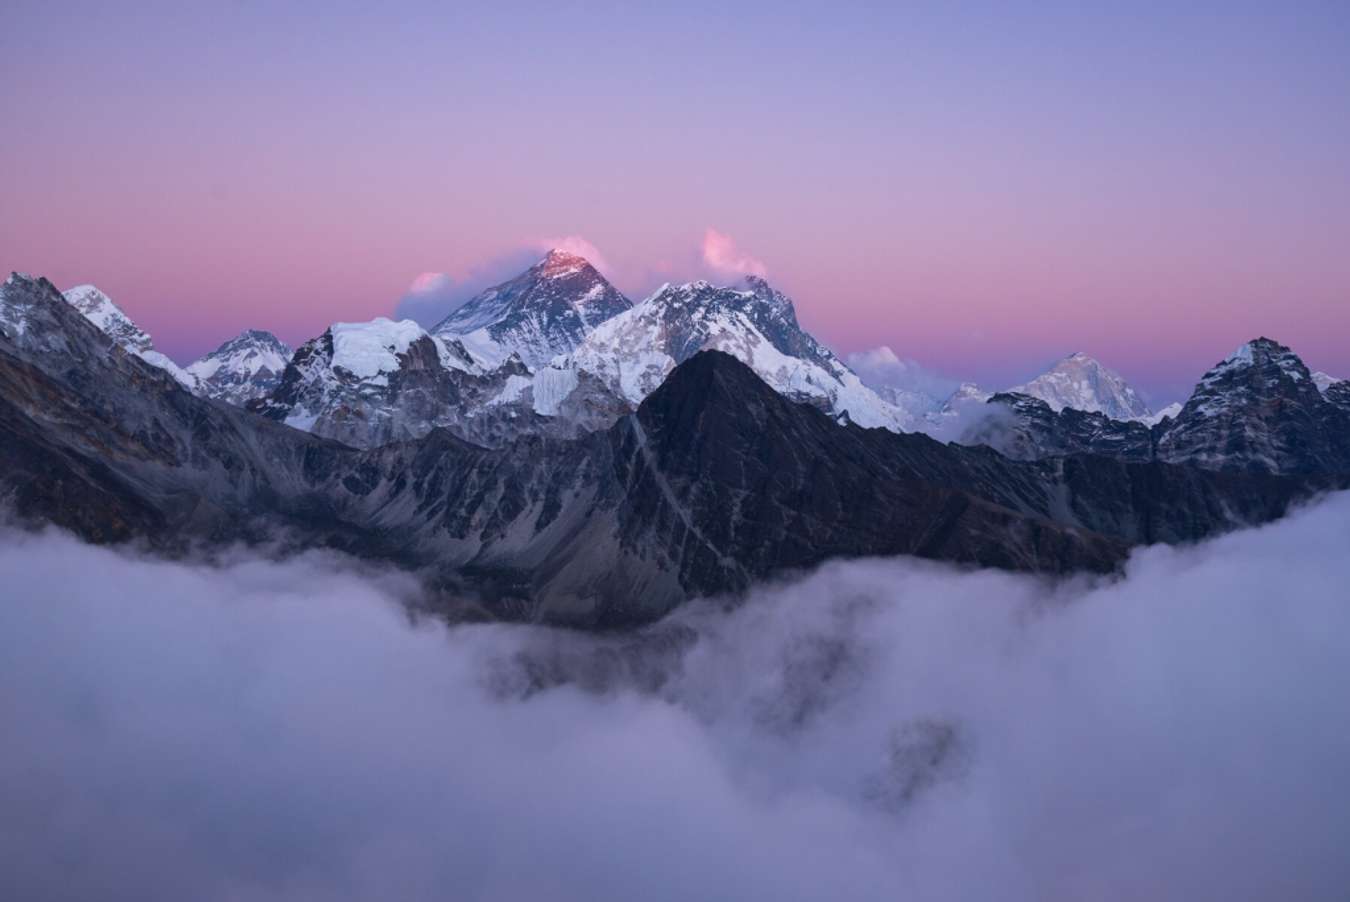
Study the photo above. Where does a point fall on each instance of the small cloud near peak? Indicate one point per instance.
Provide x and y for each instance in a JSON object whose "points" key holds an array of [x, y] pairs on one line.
{"points": [[721, 253], [429, 282], [577, 247]]}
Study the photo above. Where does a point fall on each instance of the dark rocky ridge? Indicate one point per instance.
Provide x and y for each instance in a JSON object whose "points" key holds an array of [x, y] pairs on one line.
{"points": [[1257, 411], [1032, 430], [1260, 410]]}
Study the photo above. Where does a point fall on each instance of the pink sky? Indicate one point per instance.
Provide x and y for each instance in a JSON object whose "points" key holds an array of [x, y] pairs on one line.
{"points": [[982, 191]]}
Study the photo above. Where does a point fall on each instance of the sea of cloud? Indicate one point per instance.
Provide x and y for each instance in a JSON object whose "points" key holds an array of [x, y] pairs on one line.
{"points": [[884, 729]]}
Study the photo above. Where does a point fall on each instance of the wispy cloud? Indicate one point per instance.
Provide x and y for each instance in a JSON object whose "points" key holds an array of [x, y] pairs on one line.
{"points": [[575, 244], [882, 368], [430, 282], [721, 253], [432, 296]]}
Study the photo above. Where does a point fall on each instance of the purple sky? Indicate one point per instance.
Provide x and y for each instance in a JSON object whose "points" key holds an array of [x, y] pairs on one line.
{"points": [[983, 190]]}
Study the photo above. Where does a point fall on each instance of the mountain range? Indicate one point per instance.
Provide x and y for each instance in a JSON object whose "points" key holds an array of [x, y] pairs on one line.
{"points": [[558, 350], [688, 445]]}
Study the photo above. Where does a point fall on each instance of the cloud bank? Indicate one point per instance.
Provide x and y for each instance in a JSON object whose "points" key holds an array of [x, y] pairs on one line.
{"points": [[874, 730]]}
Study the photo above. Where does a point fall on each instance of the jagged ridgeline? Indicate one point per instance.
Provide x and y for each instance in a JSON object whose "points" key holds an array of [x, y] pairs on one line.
{"points": [[704, 481]]}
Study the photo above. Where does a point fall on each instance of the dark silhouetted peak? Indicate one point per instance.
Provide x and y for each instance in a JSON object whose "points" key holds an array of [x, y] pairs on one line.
{"points": [[1027, 428], [1338, 393], [1259, 409], [713, 379]]}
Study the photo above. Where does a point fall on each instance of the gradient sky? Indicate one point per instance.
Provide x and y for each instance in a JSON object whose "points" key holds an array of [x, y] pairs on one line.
{"points": [[982, 189]]}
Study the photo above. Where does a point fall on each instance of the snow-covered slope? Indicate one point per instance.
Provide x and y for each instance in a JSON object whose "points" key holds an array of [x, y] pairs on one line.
{"points": [[1323, 381], [99, 309], [247, 366], [545, 311], [1171, 411], [368, 384], [633, 352], [1080, 382]]}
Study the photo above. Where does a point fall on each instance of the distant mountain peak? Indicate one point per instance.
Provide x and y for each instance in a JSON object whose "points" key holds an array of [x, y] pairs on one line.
{"points": [[100, 310], [558, 263], [1259, 353], [1081, 382], [541, 313], [245, 367], [635, 351]]}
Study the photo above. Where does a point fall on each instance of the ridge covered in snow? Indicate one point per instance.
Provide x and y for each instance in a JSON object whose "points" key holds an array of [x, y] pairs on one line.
{"points": [[247, 366], [633, 352], [1324, 381], [100, 310], [545, 311], [1080, 382]]}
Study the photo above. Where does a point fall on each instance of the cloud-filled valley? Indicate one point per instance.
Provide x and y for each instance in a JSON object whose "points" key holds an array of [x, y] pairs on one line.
{"points": [[256, 729]]}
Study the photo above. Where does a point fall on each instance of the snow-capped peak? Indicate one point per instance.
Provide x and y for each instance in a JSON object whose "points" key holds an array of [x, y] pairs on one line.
{"points": [[1082, 383], [245, 367], [368, 349], [100, 310], [633, 352], [541, 313], [1258, 353], [558, 263]]}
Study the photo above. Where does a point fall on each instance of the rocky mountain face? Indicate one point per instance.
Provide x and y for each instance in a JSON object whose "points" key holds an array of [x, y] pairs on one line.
{"points": [[247, 366], [1259, 409], [1081, 383], [367, 384], [717, 480], [546, 311], [1027, 428], [635, 351], [1338, 393], [1076, 383]]}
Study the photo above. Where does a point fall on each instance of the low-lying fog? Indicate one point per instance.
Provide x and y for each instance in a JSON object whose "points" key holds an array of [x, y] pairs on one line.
{"points": [[876, 730]]}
